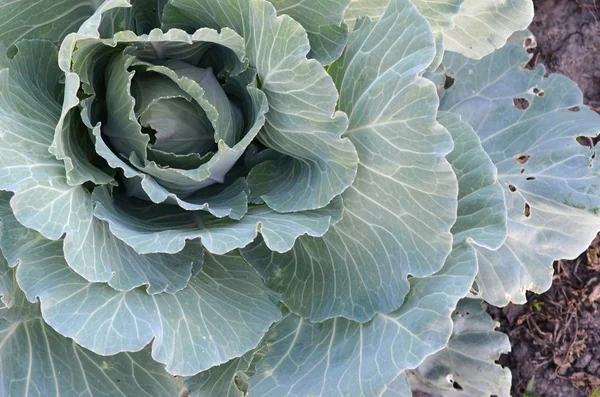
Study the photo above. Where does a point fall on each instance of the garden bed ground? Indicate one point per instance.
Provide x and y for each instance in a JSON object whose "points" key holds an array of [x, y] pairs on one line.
{"points": [[556, 335]]}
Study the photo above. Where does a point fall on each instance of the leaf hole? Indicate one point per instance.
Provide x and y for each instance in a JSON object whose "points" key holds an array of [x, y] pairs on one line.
{"points": [[456, 386], [12, 52], [521, 103], [586, 141], [512, 188], [528, 42], [574, 108], [449, 82], [539, 92], [527, 210], [522, 159], [530, 178], [522, 170]]}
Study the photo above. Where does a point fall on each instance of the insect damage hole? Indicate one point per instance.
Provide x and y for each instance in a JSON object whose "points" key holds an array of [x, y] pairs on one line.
{"points": [[512, 188], [449, 81], [574, 108], [587, 141], [527, 210], [521, 103], [522, 159], [456, 386], [537, 91], [530, 42]]}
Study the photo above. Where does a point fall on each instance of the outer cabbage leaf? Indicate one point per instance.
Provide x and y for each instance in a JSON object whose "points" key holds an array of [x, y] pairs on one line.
{"points": [[482, 215], [221, 314], [38, 361], [341, 357], [8, 285], [483, 26], [160, 272], [466, 366], [474, 28], [373, 9], [160, 228], [440, 15], [302, 121], [225, 380], [360, 266], [323, 21], [41, 19], [398, 387], [550, 180]]}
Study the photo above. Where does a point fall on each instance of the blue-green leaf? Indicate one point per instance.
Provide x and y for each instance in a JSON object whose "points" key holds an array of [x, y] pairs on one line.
{"points": [[225, 380], [466, 367], [37, 361], [340, 357], [160, 228], [110, 260], [481, 207], [550, 180], [221, 314], [399, 211], [42, 19]]}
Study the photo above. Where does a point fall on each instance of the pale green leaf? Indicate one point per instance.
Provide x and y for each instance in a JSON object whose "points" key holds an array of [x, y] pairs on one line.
{"points": [[373, 9], [474, 28], [440, 14], [181, 127], [29, 110], [323, 23], [483, 26]]}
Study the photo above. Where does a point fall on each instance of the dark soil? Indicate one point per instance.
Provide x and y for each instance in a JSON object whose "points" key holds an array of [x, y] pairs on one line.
{"points": [[555, 337]]}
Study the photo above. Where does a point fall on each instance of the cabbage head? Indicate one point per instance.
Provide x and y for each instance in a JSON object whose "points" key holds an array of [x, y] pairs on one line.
{"points": [[278, 198]]}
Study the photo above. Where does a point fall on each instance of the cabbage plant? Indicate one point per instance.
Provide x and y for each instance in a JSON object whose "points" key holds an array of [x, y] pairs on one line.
{"points": [[278, 198]]}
